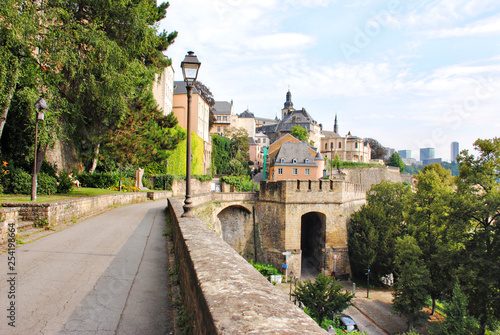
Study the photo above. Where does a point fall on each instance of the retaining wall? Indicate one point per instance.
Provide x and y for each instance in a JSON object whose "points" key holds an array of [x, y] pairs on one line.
{"points": [[223, 293]]}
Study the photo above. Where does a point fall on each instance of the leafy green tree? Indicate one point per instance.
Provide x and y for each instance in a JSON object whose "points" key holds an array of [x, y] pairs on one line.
{"points": [[428, 222], [412, 279], [457, 320], [477, 213], [396, 161], [324, 297], [373, 230], [300, 133]]}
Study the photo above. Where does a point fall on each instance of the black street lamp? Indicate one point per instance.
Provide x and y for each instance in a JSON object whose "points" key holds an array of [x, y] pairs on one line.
{"points": [[190, 67], [40, 105], [368, 284]]}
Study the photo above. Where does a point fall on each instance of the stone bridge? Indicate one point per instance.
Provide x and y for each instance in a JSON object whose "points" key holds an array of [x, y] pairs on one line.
{"points": [[298, 223]]}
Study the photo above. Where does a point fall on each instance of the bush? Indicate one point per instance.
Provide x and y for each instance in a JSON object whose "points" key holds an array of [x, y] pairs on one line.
{"points": [[265, 269], [98, 179], [18, 182], [47, 184], [241, 184], [65, 184]]}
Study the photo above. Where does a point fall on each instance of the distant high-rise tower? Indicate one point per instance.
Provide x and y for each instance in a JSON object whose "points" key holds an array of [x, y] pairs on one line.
{"points": [[454, 152], [335, 125], [427, 153], [404, 153]]}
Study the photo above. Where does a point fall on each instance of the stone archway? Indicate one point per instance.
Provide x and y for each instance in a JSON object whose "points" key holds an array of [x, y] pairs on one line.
{"points": [[237, 229], [312, 242]]}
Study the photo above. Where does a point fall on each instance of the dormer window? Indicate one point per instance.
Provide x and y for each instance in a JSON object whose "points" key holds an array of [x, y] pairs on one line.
{"points": [[294, 161], [282, 160], [307, 160]]}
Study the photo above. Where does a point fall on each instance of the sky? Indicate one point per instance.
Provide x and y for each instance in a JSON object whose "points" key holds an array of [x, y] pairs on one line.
{"points": [[409, 73]]}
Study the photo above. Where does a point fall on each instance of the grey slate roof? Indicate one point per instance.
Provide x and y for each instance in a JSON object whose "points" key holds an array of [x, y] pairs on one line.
{"points": [[298, 151], [222, 107], [180, 88], [246, 114]]}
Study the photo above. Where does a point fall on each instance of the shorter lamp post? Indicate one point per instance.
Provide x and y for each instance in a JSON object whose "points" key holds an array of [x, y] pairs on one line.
{"points": [[40, 105], [190, 67], [368, 284]]}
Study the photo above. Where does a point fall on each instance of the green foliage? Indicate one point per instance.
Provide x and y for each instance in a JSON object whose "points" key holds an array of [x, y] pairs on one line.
{"points": [[265, 269], [47, 184], [155, 168], [177, 158], [221, 147], [98, 179], [396, 161], [324, 297], [300, 133], [412, 279], [18, 182], [241, 184], [65, 184], [373, 230], [457, 321]]}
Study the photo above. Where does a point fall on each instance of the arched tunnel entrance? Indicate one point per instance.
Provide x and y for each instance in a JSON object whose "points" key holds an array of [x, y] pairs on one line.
{"points": [[313, 238], [237, 229]]}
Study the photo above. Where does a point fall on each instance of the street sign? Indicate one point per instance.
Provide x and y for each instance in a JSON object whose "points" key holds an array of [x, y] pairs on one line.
{"points": [[335, 256], [286, 253]]}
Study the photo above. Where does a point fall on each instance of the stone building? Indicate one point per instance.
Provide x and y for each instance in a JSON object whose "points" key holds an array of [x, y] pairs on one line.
{"points": [[163, 90], [349, 148], [291, 117], [223, 111], [290, 158]]}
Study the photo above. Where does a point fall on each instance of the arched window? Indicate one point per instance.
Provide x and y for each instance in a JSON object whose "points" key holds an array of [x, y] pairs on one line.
{"points": [[307, 160], [331, 145], [356, 146], [326, 146], [282, 160], [340, 145], [294, 161]]}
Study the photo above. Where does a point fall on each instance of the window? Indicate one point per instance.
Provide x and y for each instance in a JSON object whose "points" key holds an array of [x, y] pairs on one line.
{"points": [[264, 140], [282, 160], [280, 171], [356, 146], [258, 140], [218, 129], [307, 161], [331, 145], [224, 128], [224, 118], [326, 146], [218, 118], [308, 171], [294, 161], [294, 171], [340, 145]]}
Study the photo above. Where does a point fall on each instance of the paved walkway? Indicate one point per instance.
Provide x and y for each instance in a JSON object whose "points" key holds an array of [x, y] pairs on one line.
{"points": [[104, 275]]}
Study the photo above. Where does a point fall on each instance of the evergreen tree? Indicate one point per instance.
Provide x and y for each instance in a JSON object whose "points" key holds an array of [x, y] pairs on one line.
{"points": [[396, 161]]}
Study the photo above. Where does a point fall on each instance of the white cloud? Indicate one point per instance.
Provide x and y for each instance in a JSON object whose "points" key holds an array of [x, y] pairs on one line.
{"points": [[487, 26]]}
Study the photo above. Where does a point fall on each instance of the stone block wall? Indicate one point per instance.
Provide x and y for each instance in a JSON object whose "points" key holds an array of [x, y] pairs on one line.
{"points": [[223, 293], [372, 175], [7, 216], [197, 187]]}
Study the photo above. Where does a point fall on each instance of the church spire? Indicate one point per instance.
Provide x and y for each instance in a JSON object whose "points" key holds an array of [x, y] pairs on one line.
{"points": [[335, 125], [288, 102]]}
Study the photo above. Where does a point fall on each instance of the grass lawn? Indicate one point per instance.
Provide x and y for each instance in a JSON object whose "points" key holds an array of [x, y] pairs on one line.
{"points": [[81, 193]]}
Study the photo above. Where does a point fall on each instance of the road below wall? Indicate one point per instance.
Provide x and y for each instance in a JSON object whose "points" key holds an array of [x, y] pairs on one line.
{"points": [[104, 275]]}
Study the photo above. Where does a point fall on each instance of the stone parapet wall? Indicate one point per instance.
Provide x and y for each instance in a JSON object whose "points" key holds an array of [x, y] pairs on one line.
{"points": [[223, 293], [372, 175], [7, 216], [310, 191], [197, 187]]}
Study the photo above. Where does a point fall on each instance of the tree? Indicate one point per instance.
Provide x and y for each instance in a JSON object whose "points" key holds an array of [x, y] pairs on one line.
{"points": [[221, 147], [378, 151], [476, 213], [300, 133], [412, 279], [323, 297], [373, 230], [457, 321], [396, 161], [428, 222]]}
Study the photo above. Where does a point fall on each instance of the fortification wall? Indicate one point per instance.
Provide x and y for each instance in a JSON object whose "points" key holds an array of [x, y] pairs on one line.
{"points": [[372, 175], [223, 293]]}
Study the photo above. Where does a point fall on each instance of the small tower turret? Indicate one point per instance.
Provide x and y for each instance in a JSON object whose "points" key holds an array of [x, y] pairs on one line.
{"points": [[335, 125]]}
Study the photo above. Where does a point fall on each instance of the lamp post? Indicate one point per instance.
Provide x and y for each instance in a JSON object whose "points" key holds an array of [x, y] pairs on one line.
{"points": [[190, 67], [40, 105]]}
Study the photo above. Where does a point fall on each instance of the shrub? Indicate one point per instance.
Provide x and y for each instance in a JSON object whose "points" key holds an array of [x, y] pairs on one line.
{"points": [[98, 179], [265, 269], [65, 184], [18, 182], [241, 184], [47, 184]]}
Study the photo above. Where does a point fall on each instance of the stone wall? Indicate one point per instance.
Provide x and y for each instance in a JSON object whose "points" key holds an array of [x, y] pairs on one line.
{"points": [[372, 175], [197, 187], [223, 293], [7, 216]]}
